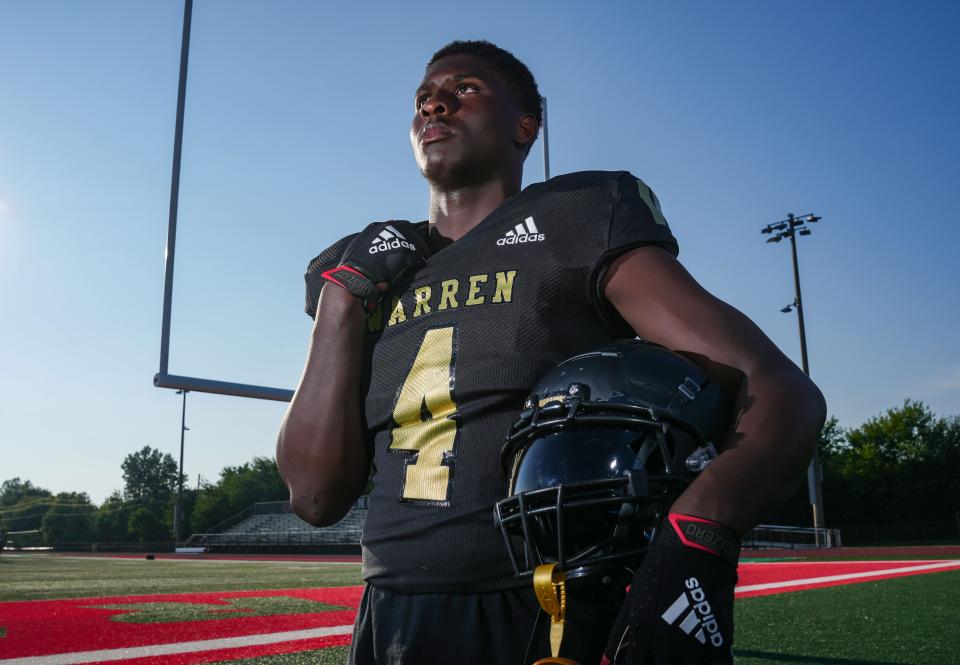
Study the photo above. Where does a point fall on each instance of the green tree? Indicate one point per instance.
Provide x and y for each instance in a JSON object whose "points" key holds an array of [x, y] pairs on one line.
{"points": [[150, 482], [900, 466], [22, 505], [14, 491], [112, 519], [149, 476], [832, 440], [238, 487], [148, 526], [69, 519]]}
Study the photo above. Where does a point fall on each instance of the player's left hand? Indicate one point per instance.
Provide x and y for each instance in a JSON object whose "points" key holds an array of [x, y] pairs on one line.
{"points": [[377, 258], [679, 610]]}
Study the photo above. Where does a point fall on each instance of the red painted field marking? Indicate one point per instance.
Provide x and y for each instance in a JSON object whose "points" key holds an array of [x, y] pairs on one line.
{"points": [[761, 579], [45, 627]]}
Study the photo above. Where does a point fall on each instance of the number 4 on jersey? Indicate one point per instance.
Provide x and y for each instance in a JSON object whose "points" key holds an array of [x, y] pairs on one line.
{"points": [[426, 429]]}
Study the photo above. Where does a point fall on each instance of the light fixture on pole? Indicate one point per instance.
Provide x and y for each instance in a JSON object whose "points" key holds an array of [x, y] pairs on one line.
{"points": [[790, 228]]}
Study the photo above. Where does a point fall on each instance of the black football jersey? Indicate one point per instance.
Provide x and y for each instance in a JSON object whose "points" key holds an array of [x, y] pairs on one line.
{"points": [[452, 354]]}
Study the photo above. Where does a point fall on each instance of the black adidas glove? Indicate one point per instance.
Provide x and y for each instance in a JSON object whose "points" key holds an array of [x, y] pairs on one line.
{"points": [[382, 252], [679, 610]]}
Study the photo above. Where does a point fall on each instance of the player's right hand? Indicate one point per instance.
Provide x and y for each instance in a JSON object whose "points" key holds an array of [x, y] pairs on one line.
{"points": [[679, 610], [377, 258]]}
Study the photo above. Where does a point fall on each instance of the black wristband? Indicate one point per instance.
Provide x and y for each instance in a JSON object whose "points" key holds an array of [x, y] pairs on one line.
{"points": [[706, 535], [356, 283]]}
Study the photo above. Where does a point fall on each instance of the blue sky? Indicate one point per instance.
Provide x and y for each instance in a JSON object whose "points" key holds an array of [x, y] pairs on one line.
{"points": [[296, 134]]}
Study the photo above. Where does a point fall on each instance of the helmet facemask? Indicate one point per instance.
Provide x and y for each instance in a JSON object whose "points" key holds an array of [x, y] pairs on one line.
{"points": [[590, 479]]}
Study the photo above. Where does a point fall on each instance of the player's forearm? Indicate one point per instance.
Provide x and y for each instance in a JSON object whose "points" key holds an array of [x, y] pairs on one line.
{"points": [[764, 458], [320, 449]]}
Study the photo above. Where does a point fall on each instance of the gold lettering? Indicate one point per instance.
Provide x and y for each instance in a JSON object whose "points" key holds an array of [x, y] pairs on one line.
{"points": [[504, 291], [398, 315], [422, 298], [474, 298], [448, 291]]}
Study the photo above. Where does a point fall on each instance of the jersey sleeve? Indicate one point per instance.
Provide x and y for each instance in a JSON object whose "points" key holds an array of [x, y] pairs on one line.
{"points": [[327, 259], [636, 220]]}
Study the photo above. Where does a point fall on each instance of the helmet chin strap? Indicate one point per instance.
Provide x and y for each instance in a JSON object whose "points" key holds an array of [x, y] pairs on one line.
{"points": [[550, 586], [649, 443]]}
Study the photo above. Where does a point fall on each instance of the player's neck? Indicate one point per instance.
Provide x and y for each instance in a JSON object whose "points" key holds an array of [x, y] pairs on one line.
{"points": [[455, 212]]}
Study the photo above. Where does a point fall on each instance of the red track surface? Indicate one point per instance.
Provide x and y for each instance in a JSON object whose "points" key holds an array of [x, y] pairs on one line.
{"points": [[46, 627]]}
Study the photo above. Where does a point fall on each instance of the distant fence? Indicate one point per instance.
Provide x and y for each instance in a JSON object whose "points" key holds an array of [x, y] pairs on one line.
{"points": [[773, 536], [27, 538], [847, 535], [85, 547]]}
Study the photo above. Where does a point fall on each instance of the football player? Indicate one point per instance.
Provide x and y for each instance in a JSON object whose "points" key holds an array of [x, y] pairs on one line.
{"points": [[427, 339]]}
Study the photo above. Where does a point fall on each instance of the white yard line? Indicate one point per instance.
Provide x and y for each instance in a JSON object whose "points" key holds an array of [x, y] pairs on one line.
{"points": [[845, 576], [177, 647]]}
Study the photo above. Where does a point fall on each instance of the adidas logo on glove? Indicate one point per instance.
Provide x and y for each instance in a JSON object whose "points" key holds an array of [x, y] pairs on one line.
{"points": [[700, 616], [389, 239], [525, 232]]}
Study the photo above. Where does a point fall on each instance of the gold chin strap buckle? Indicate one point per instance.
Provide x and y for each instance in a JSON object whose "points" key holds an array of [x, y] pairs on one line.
{"points": [[550, 585]]}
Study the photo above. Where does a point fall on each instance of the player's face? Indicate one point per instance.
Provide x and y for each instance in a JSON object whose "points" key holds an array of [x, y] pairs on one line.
{"points": [[465, 121]]}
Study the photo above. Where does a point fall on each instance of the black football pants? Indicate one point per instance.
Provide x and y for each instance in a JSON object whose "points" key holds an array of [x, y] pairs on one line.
{"points": [[497, 628]]}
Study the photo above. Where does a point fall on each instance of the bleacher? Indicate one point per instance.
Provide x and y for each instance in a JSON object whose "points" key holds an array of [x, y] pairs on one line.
{"points": [[273, 527]]}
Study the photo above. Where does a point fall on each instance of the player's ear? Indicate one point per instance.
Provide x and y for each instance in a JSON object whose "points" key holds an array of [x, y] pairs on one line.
{"points": [[526, 130]]}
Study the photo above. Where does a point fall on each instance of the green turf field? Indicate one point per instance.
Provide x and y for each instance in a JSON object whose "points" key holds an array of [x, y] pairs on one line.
{"points": [[903, 621], [331, 656], [36, 577], [907, 620]]}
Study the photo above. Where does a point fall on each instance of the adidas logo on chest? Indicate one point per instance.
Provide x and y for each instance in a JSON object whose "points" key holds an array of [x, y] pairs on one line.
{"points": [[524, 232]]}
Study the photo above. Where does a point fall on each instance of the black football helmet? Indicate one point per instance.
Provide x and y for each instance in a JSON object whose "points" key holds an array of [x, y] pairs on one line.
{"points": [[605, 443]]}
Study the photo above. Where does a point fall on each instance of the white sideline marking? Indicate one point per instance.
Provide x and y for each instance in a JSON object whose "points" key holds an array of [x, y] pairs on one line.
{"points": [[845, 576], [177, 647]]}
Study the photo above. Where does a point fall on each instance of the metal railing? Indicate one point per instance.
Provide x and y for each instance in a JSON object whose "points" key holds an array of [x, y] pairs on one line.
{"points": [[775, 536]]}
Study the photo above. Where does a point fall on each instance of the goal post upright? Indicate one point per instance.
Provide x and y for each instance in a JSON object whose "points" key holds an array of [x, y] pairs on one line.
{"points": [[163, 378]]}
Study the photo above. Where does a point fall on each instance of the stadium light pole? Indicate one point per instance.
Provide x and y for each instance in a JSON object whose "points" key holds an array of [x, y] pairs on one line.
{"points": [[790, 228], [178, 507]]}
